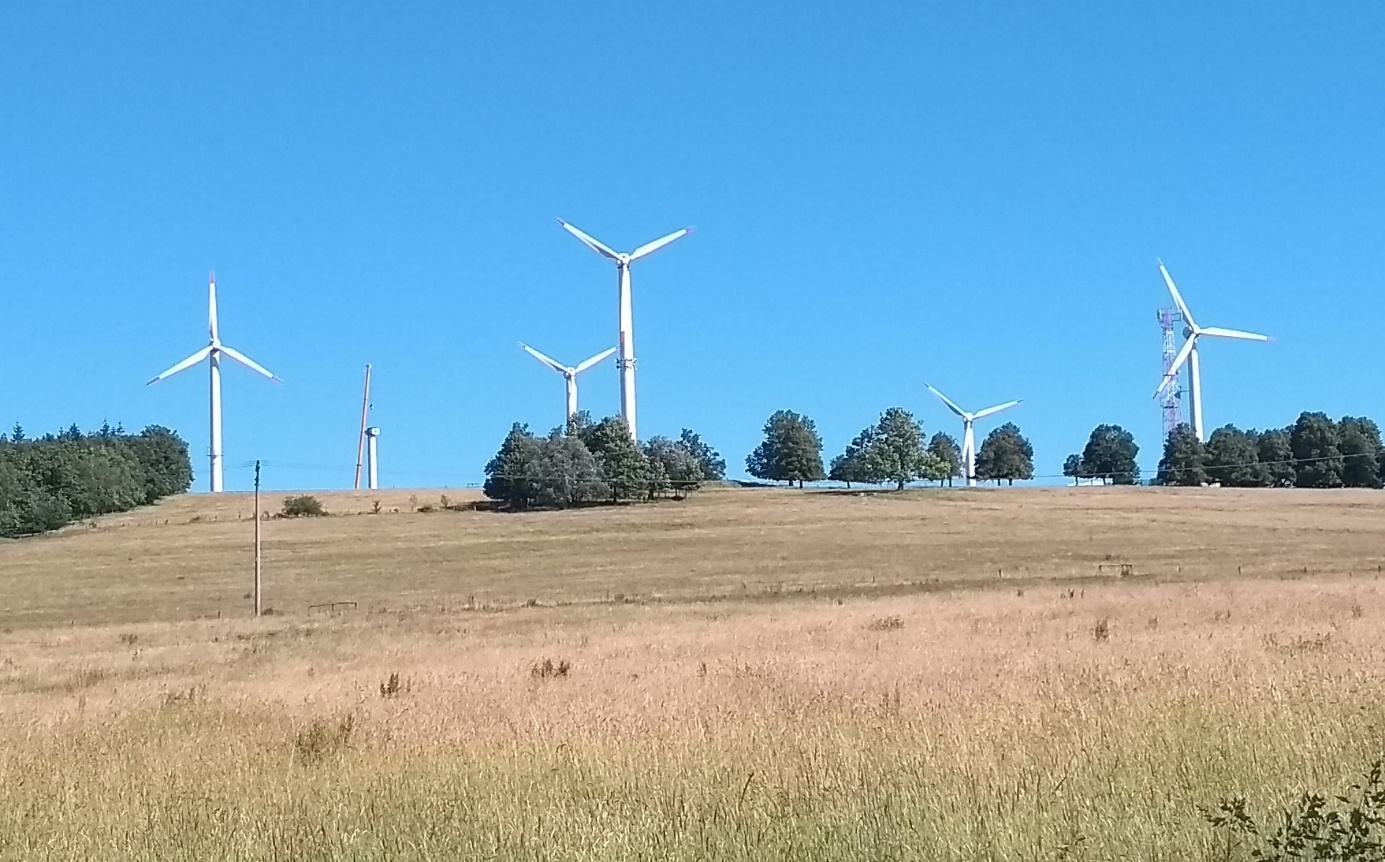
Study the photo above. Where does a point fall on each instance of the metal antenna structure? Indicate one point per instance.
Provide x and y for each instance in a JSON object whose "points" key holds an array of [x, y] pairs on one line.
{"points": [[1172, 404]]}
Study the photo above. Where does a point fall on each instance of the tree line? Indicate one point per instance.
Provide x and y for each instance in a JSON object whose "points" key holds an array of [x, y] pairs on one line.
{"points": [[1314, 452], [53, 480], [586, 462], [894, 450]]}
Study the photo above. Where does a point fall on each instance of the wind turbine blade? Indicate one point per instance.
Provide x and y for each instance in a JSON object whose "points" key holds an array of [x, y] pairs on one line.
{"points": [[249, 363], [1172, 373], [590, 242], [1177, 297], [551, 363], [211, 306], [990, 411], [594, 360], [651, 247], [1218, 332], [184, 365], [943, 398]]}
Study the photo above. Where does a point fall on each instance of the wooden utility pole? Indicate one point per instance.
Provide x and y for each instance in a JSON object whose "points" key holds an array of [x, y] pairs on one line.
{"points": [[365, 420], [257, 538]]}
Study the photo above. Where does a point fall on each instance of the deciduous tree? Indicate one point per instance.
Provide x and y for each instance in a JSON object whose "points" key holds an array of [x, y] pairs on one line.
{"points": [[1005, 454], [1276, 457], [944, 447], [1360, 444], [1110, 454], [791, 451], [1318, 459], [709, 461], [1233, 459], [1184, 461]]}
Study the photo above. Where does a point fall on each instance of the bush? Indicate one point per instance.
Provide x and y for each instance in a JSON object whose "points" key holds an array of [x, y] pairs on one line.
{"points": [[1346, 828], [303, 506]]}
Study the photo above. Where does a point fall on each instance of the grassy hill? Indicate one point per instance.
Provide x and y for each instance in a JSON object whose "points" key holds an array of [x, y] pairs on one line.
{"points": [[749, 674]]}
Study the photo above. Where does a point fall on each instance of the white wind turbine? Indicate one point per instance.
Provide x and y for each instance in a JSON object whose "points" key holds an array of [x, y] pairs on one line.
{"points": [[569, 373], [214, 351], [968, 434], [1191, 333], [626, 343]]}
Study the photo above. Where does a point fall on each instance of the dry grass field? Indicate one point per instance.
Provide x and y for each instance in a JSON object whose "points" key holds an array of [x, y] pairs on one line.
{"points": [[749, 674]]}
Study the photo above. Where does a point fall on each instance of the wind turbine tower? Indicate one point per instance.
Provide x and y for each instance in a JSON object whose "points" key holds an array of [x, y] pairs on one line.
{"points": [[626, 342], [1173, 396], [968, 433], [1192, 333], [372, 436], [213, 352], [569, 373]]}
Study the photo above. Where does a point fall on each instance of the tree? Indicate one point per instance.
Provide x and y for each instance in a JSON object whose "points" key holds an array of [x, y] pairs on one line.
{"points": [[1110, 454], [1276, 457], [791, 451], [709, 461], [567, 474], [896, 452], [1359, 441], [163, 458], [850, 466], [48, 482], [1072, 466], [1233, 459], [1318, 460], [677, 465], [512, 475], [944, 447], [579, 423], [624, 467], [1005, 454], [1184, 459]]}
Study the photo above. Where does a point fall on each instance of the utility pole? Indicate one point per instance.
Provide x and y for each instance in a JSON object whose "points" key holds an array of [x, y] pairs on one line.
{"points": [[257, 538]]}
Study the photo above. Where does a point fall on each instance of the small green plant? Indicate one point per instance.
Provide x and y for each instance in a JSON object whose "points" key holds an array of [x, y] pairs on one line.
{"points": [[548, 669], [375, 508], [303, 506], [1102, 630], [1345, 828]]}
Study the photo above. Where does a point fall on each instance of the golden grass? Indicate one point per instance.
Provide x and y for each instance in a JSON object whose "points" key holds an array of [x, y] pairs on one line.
{"points": [[753, 675]]}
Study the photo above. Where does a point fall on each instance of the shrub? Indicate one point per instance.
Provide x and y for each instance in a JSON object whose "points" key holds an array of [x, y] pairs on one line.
{"points": [[323, 738], [548, 669], [1345, 828], [886, 624], [303, 506]]}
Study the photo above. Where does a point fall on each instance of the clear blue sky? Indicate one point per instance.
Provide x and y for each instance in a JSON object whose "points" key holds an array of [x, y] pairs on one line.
{"points": [[969, 194]]}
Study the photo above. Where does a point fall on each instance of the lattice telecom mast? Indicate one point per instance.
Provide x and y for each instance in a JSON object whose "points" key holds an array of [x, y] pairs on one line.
{"points": [[1172, 402]]}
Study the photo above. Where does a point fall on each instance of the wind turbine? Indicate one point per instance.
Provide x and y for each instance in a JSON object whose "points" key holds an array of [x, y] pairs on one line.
{"points": [[626, 344], [968, 435], [1191, 333], [569, 373], [214, 351]]}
